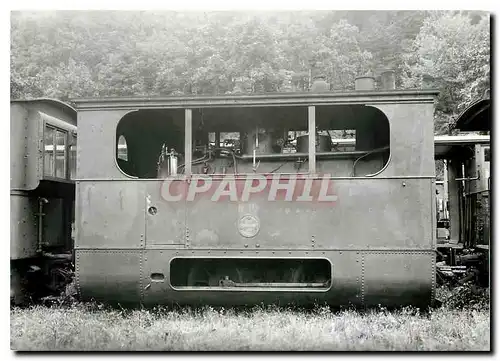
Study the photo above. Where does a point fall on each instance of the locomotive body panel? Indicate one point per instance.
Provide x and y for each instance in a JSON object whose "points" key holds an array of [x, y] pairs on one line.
{"points": [[359, 278], [394, 213], [221, 234], [23, 226], [110, 215], [109, 275], [96, 145]]}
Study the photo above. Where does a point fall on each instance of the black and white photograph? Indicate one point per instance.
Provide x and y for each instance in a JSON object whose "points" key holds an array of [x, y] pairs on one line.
{"points": [[250, 180]]}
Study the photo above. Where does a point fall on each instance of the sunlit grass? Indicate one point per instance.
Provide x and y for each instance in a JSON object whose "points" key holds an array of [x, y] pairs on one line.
{"points": [[81, 327]]}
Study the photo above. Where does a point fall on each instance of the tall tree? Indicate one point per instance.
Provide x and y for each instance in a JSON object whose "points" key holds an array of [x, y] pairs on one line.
{"points": [[452, 53], [340, 57]]}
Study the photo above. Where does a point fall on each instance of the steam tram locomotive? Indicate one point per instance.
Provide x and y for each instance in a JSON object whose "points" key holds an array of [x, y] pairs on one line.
{"points": [[243, 199], [235, 199]]}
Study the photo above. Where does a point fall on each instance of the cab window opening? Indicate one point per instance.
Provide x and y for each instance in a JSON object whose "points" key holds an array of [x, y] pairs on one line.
{"points": [[351, 141]]}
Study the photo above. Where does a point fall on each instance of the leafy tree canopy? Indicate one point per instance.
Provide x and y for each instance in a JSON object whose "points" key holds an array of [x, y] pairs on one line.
{"points": [[68, 54]]}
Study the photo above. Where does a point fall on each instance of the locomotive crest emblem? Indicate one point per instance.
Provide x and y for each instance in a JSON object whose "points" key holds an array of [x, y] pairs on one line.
{"points": [[248, 226]]}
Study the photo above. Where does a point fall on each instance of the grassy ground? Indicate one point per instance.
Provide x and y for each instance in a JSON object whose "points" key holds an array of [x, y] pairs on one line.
{"points": [[90, 327]]}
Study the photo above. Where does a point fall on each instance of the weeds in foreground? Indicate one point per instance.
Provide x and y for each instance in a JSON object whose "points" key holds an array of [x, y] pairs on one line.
{"points": [[461, 323], [98, 328]]}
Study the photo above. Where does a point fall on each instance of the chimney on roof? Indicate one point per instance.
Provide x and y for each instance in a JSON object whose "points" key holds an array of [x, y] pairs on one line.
{"points": [[365, 82], [320, 85], [388, 80]]}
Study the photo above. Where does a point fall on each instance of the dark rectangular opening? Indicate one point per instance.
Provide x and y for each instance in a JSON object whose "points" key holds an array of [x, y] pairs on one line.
{"points": [[486, 154], [255, 273]]}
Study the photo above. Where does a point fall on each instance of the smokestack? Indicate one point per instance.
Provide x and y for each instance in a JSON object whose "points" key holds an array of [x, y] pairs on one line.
{"points": [[427, 82], [365, 82], [388, 80]]}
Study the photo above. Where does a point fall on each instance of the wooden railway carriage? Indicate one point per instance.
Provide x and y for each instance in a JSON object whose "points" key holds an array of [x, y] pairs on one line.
{"points": [[42, 192], [243, 199]]}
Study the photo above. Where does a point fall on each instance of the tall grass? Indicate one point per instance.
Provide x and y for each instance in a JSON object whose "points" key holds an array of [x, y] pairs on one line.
{"points": [[80, 327]]}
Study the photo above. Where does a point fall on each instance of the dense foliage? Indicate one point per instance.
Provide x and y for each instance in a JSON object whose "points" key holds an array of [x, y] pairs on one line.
{"points": [[90, 53]]}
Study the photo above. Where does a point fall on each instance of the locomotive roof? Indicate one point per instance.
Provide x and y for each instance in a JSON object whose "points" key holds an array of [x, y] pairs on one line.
{"points": [[268, 99], [65, 107]]}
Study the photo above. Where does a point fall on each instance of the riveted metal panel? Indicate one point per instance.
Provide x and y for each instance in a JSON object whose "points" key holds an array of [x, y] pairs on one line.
{"points": [[110, 276], [35, 149], [97, 145], [345, 289], [411, 139], [368, 213], [23, 226], [165, 221], [18, 124], [369, 278], [398, 278], [156, 261], [434, 215], [346, 280], [25, 150], [110, 215]]}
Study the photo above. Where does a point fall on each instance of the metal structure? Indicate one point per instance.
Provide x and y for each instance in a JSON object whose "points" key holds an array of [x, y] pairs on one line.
{"points": [[467, 159], [42, 193], [244, 199], [285, 198]]}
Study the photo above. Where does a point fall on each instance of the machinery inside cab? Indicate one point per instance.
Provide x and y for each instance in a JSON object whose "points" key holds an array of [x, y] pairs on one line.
{"points": [[350, 141]]}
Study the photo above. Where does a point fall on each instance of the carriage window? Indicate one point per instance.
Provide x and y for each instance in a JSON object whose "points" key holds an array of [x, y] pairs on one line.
{"points": [[72, 157], [55, 152], [48, 168], [60, 154], [122, 149]]}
